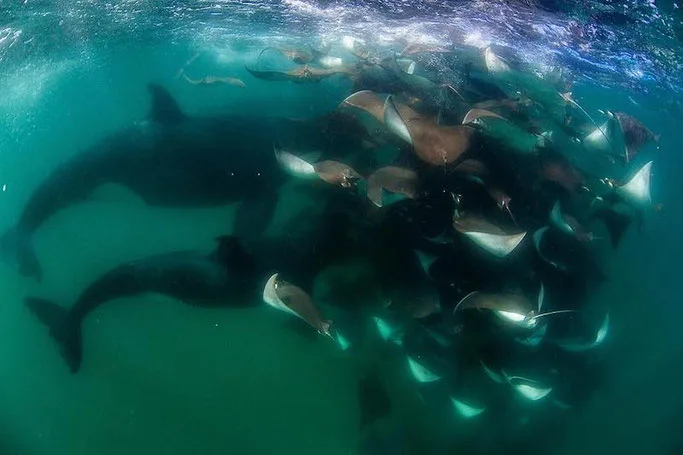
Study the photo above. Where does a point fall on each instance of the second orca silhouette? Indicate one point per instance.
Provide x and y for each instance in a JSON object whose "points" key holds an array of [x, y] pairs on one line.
{"points": [[227, 276]]}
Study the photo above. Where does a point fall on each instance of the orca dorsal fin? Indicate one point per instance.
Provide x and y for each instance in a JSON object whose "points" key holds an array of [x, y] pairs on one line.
{"points": [[164, 107]]}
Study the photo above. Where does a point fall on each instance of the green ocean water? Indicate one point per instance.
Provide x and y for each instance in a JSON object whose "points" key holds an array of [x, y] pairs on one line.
{"points": [[162, 377]]}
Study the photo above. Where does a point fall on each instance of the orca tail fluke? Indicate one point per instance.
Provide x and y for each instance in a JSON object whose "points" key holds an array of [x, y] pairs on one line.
{"points": [[65, 330], [16, 249]]}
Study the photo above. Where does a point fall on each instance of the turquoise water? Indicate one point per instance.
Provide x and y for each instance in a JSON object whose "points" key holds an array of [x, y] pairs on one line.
{"points": [[163, 377], [190, 380]]}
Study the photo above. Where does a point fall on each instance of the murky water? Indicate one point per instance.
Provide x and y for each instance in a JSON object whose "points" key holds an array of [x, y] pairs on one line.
{"points": [[159, 376]]}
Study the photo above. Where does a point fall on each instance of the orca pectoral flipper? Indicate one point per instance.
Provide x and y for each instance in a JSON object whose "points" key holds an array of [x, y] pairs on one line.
{"points": [[254, 214], [72, 182], [16, 248]]}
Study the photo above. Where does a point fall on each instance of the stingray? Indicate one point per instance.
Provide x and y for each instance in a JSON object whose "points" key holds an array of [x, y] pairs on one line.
{"points": [[568, 224], [306, 56], [333, 172], [494, 376], [388, 331], [291, 299], [418, 303], [367, 101], [356, 47], [636, 135], [634, 193], [538, 244], [473, 167], [426, 260], [507, 103], [305, 74], [420, 372], [341, 126], [351, 42], [494, 64], [295, 165], [621, 135], [392, 183], [513, 137], [501, 198], [474, 114], [556, 168], [466, 409], [417, 48], [300, 56], [342, 341], [557, 79], [329, 61], [452, 88], [569, 99], [486, 234], [363, 54], [406, 65], [407, 288], [597, 340], [566, 254], [395, 116], [413, 84], [636, 190], [604, 139], [434, 144], [373, 399], [211, 80], [535, 338], [528, 388], [439, 145], [560, 404], [513, 308], [538, 334], [337, 173]]}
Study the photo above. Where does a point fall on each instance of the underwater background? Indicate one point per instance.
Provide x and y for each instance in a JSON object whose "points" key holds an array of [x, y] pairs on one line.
{"points": [[163, 377]]}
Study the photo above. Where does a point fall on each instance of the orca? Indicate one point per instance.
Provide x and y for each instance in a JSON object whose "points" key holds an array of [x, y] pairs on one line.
{"points": [[174, 160], [226, 277]]}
